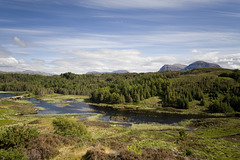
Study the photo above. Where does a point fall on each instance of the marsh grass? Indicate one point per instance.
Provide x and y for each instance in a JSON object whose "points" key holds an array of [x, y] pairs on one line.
{"points": [[4, 122], [215, 128], [40, 108], [155, 126], [57, 98], [94, 117]]}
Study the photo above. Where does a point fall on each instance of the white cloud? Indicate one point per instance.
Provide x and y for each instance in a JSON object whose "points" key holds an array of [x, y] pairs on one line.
{"points": [[210, 57], [26, 31], [105, 60], [8, 62], [168, 39], [20, 42], [196, 51], [231, 61], [65, 43], [145, 4], [102, 60]]}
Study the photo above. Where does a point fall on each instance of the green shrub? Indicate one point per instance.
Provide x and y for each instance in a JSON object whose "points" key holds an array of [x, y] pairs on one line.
{"points": [[11, 154], [17, 136], [182, 135], [67, 127], [134, 149], [220, 107]]}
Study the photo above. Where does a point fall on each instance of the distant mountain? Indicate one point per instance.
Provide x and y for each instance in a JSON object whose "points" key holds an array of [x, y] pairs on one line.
{"points": [[94, 72], [174, 67], [120, 71], [201, 64], [117, 71], [195, 65], [35, 72]]}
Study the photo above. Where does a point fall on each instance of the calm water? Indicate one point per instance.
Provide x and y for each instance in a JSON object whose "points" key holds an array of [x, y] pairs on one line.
{"points": [[107, 114], [4, 95]]}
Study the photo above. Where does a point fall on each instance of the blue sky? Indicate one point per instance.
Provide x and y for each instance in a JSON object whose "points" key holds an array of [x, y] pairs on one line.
{"points": [[78, 36]]}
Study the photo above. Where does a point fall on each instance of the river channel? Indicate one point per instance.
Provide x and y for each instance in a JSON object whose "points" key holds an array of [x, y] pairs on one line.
{"points": [[105, 114]]}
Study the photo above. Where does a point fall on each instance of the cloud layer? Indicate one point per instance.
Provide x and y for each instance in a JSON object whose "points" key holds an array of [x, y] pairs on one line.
{"points": [[103, 60]]}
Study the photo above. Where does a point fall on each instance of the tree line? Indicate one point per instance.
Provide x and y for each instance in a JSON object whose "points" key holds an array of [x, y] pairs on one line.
{"points": [[218, 89]]}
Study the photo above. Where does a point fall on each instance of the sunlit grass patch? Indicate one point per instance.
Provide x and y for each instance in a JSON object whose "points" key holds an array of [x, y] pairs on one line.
{"points": [[214, 148], [40, 108], [71, 153], [98, 133], [94, 117], [221, 128], [4, 122], [155, 126], [57, 98], [157, 143]]}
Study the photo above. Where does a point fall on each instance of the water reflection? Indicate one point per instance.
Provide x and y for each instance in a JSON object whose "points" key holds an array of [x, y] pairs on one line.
{"points": [[107, 114]]}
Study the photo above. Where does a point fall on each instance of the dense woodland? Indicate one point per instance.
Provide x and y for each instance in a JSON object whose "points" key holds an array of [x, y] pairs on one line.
{"points": [[219, 89]]}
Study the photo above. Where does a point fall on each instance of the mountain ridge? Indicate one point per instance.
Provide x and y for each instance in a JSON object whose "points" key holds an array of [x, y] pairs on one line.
{"points": [[117, 71], [194, 65], [174, 67]]}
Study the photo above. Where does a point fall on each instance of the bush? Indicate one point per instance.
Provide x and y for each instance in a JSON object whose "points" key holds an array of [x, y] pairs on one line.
{"points": [[17, 136], [220, 107], [182, 135], [134, 149], [46, 146], [67, 127], [11, 154]]}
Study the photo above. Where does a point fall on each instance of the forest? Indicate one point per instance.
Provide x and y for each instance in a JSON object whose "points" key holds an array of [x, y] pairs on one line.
{"points": [[218, 89]]}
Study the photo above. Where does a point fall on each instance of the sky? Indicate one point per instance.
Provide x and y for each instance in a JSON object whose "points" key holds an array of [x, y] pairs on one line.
{"points": [[58, 36]]}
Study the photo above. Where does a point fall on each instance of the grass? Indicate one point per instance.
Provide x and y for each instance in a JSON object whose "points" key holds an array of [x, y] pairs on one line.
{"points": [[94, 117], [214, 139], [57, 98], [225, 127], [5, 122], [10, 107], [155, 126], [40, 108]]}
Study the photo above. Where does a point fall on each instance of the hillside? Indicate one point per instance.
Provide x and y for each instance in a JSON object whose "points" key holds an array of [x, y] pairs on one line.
{"points": [[194, 65], [174, 67], [201, 64]]}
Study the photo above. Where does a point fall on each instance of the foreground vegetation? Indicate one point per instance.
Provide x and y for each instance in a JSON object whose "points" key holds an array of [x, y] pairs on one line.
{"points": [[210, 139], [28, 136]]}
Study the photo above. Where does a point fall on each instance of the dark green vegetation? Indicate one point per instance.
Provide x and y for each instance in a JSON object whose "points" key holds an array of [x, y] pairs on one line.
{"points": [[20, 142], [217, 89], [66, 127]]}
